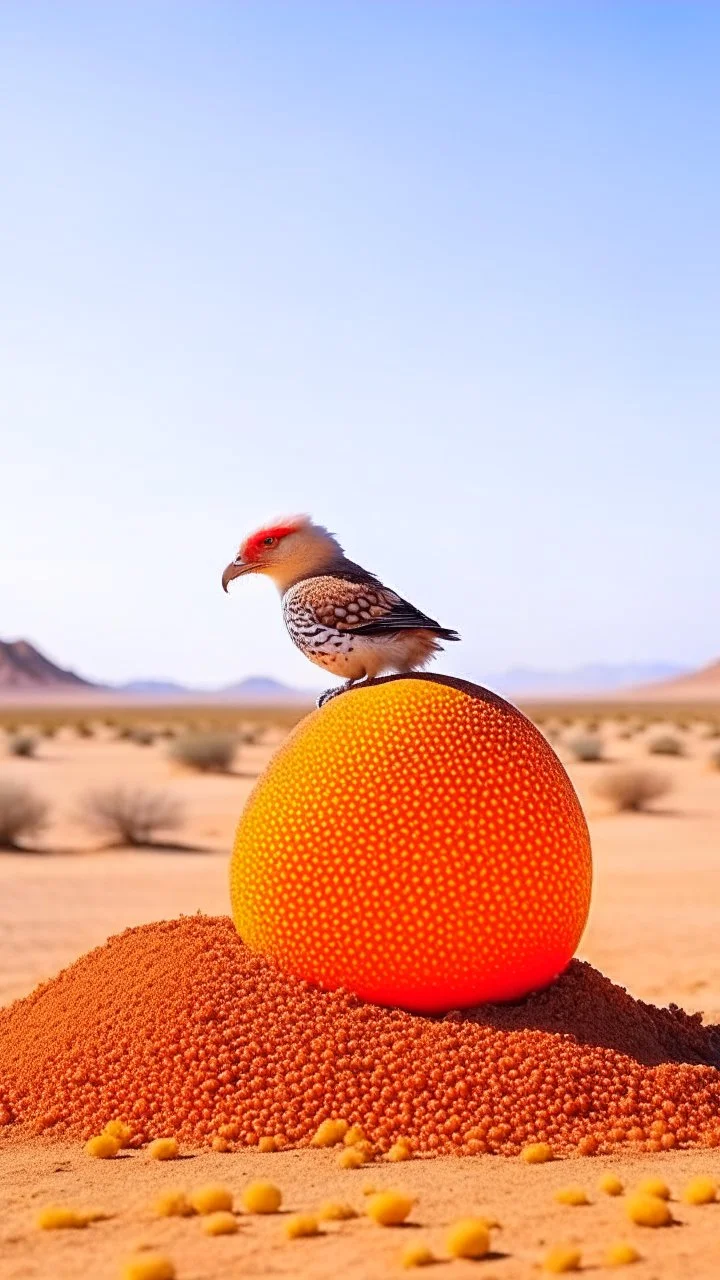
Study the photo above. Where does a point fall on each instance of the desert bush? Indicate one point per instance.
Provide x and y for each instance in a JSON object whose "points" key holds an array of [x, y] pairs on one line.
{"points": [[22, 744], [715, 759], [666, 744], [206, 752], [632, 789], [140, 736], [588, 750], [712, 731], [22, 813], [131, 815], [49, 730]]}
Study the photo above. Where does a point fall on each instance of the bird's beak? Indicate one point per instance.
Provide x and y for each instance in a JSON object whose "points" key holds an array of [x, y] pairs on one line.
{"points": [[235, 570]]}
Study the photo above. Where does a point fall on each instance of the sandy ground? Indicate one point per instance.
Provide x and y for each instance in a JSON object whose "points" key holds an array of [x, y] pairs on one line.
{"points": [[654, 928]]}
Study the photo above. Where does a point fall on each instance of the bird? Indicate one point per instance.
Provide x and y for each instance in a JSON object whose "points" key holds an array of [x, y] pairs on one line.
{"points": [[338, 614]]}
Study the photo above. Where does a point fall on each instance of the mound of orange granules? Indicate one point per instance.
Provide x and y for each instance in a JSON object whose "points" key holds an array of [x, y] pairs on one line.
{"points": [[178, 1029]]}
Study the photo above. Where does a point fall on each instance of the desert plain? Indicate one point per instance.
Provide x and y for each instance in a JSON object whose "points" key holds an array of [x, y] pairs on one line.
{"points": [[653, 929]]}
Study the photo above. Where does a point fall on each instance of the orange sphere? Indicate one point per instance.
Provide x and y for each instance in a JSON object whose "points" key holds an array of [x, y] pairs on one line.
{"points": [[418, 842]]}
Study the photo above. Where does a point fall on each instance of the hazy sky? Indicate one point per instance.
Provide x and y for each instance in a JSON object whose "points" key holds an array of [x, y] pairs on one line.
{"points": [[445, 275]]}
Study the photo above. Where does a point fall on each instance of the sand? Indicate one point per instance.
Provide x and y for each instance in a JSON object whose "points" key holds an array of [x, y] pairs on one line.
{"points": [[653, 928]]}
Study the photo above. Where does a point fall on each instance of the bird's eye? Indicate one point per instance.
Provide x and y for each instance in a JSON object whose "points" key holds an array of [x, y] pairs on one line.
{"points": [[269, 542]]}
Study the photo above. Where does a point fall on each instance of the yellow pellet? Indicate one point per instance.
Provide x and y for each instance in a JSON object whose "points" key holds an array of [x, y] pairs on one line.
{"points": [[610, 1185], [173, 1204], [336, 1211], [417, 1254], [329, 1133], [571, 1195], [301, 1224], [267, 1144], [219, 1224], [351, 1158], [700, 1190], [648, 1211], [537, 1153], [148, 1266], [468, 1238], [164, 1149], [58, 1217], [118, 1129], [211, 1199], [620, 1254], [261, 1197], [102, 1147], [654, 1187], [562, 1257], [354, 1134], [389, 1208], [399, 1150]]}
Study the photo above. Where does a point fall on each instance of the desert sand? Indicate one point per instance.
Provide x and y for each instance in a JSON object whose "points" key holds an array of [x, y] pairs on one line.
{"points": [[653, 928]]}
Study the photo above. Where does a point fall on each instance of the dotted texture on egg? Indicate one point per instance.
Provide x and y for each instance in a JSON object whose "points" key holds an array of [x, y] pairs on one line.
{"points": [[417, 842]]}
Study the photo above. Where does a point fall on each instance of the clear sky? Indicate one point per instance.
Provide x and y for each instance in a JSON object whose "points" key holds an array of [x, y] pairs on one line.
{"points": [[445, 275]]}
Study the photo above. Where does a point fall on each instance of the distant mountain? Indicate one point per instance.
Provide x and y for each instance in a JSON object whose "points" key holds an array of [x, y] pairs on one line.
{"points": [[701, 684], [25, 668], [264, 689], [592, 678], [160, 687]]}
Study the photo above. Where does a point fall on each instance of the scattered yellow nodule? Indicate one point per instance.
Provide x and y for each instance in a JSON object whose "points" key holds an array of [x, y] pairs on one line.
{"points": [[164, 1149], [571, 1195], [537, 1153], [56, 1217], [221, 1223], [654, 1187], [336, 1211], [354, 1134], [329, 1133], [301, 1224], [562, 1257], [173, 1204], [620, 1254], [648, 1211], [417, 1254], [368, 1188], [148, 1266], [267, 1144], [261, 1197], [389, 1208], [700, 1190], [468, 1238], [351, 1158], [610, 1185], [211, 1199], [118, 1129], [102, 1147], [400, 1150]]}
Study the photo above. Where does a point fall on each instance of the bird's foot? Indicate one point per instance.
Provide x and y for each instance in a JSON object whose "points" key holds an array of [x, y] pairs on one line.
{"points": [[328, 694]]}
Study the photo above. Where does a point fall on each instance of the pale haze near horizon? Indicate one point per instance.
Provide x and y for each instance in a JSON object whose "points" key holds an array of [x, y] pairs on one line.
{"points": [[444, 275]]}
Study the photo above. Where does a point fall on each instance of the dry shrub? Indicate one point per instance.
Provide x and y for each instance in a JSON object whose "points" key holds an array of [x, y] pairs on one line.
{"points": [[715, 759], [588, 749], [22, 813], [206, 752], [142, 737], [632, 789], [666, 744], [23, 744], [131, 815]]}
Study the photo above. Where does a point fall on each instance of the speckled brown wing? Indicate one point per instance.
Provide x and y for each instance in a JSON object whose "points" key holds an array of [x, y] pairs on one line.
{"points": [[365, 608]]}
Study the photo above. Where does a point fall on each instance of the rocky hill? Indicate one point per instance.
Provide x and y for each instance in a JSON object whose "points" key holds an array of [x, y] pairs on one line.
{"points": [[25, 668]]}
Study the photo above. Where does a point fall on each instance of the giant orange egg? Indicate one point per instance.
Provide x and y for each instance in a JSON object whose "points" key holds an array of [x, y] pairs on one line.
{"points": [[418, 842]]}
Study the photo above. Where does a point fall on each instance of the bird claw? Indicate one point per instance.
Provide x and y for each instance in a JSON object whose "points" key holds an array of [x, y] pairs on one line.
{"points": [[327, 694]]}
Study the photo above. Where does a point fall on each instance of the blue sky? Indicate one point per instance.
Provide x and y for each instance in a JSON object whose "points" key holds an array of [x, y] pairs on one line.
{"points": [[446, 275]]}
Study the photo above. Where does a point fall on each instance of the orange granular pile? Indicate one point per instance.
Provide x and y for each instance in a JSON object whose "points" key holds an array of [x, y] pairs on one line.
{"points": [[177, 1028]]}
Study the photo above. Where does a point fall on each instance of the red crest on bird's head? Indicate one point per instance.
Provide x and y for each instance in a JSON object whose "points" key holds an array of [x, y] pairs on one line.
{"points": [[269, 536]]}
